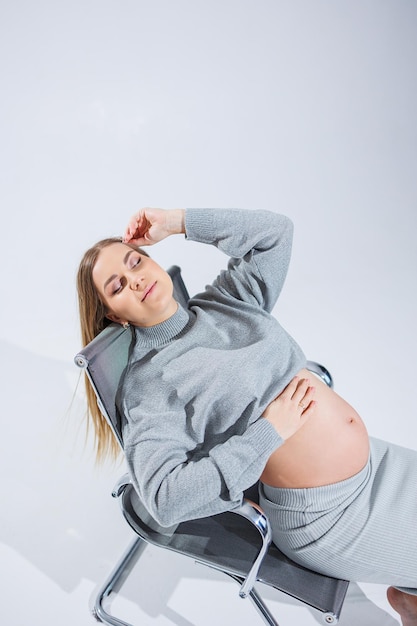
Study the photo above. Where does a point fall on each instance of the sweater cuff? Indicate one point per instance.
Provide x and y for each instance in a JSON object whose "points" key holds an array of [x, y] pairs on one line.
{"points": [[264, 438], [199, 225]]}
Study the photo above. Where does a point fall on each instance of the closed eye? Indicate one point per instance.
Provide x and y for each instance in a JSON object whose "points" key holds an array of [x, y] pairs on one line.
{"points": [[133, 261], [117, 287]]}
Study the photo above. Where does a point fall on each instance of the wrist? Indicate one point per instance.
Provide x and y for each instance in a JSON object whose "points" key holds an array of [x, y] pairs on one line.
{"points": [[176, 221]]}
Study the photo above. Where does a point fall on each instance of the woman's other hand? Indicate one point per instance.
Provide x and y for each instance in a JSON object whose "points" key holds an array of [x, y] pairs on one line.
{"points": [[148, 226], [292, 408]]}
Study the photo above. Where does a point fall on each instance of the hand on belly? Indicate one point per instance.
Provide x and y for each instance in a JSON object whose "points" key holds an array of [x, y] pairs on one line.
{"points": [[330, 446], [292, 408]]}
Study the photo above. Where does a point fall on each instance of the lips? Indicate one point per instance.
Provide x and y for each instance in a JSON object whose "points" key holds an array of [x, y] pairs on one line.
{"points": [[148, 291]]}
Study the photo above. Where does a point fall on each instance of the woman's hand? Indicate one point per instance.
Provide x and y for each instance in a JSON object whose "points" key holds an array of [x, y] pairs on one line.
{"points": [[292, 408], [148, 226]]}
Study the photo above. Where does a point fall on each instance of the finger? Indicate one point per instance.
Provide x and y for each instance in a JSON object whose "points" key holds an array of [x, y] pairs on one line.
{"points": [[141, 242], [291, 388], [306, 401], [127, 237], [130, 229], [138, 228], [309, 410], [301, 389], [309, 394]]}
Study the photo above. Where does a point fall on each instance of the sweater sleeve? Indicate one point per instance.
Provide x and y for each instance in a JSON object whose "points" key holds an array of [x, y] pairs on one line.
{"points": [[259, 244], [175, 481]]}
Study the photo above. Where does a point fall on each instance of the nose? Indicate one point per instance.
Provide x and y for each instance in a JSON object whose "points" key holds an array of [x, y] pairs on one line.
{"points": [[136, 282]]}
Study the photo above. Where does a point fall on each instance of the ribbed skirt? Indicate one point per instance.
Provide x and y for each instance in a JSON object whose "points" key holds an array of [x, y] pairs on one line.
{"points": [[361, 529]]}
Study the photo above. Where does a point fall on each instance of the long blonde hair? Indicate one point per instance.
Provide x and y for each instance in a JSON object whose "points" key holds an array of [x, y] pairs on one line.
{"points": [[92, 321]]}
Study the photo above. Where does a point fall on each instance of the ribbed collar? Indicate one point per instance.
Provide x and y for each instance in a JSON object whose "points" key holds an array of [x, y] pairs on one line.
{"points": [[154, 336]]}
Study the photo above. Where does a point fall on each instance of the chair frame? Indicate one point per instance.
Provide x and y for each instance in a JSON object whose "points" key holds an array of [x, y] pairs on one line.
{"points": [[249, 510]]}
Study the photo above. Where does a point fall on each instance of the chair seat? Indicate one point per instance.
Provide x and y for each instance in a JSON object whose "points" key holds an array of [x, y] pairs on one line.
{"points": [[230, 543]]}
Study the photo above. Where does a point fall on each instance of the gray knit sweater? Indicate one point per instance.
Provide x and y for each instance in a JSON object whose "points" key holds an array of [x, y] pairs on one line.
{"points": [[197, 384]]}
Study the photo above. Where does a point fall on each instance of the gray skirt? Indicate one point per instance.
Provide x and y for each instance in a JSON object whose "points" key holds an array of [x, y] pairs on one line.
{"points": [[361, 529]]}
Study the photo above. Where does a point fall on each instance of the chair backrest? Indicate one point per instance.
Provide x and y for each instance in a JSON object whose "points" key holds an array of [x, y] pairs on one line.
{"points": [[105, 358]]}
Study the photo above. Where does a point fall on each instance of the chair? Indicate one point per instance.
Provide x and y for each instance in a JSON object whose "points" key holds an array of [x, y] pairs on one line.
{"points": [[237, 543]]}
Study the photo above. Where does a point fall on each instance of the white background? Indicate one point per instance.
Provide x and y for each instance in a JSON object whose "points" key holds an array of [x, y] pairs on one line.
{"points": [[306, 108]]}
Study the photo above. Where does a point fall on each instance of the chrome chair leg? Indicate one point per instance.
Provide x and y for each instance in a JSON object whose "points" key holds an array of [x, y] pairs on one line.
{"points": [[262, 609], [116, 580], [257, 601]]}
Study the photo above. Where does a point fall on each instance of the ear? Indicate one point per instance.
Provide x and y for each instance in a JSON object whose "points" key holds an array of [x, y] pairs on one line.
{"points": [[116, 319]]}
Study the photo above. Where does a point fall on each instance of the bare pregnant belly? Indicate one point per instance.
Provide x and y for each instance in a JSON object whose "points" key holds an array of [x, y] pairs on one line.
{"points": [[332, 446]]}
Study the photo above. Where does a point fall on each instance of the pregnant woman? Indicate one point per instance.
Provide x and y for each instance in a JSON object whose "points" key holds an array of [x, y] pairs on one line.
{"points": [[216, 396]]}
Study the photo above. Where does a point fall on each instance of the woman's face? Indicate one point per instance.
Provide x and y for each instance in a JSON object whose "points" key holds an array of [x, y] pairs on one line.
{"points": [[133, 287]]}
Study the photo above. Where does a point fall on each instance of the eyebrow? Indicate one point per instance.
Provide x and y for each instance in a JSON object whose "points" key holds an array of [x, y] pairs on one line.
{"points": [[113, 276]]}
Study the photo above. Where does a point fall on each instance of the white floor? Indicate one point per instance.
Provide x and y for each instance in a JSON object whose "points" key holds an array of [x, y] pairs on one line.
{"points": [[203, 597], [165, 589], [305, 108]]}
